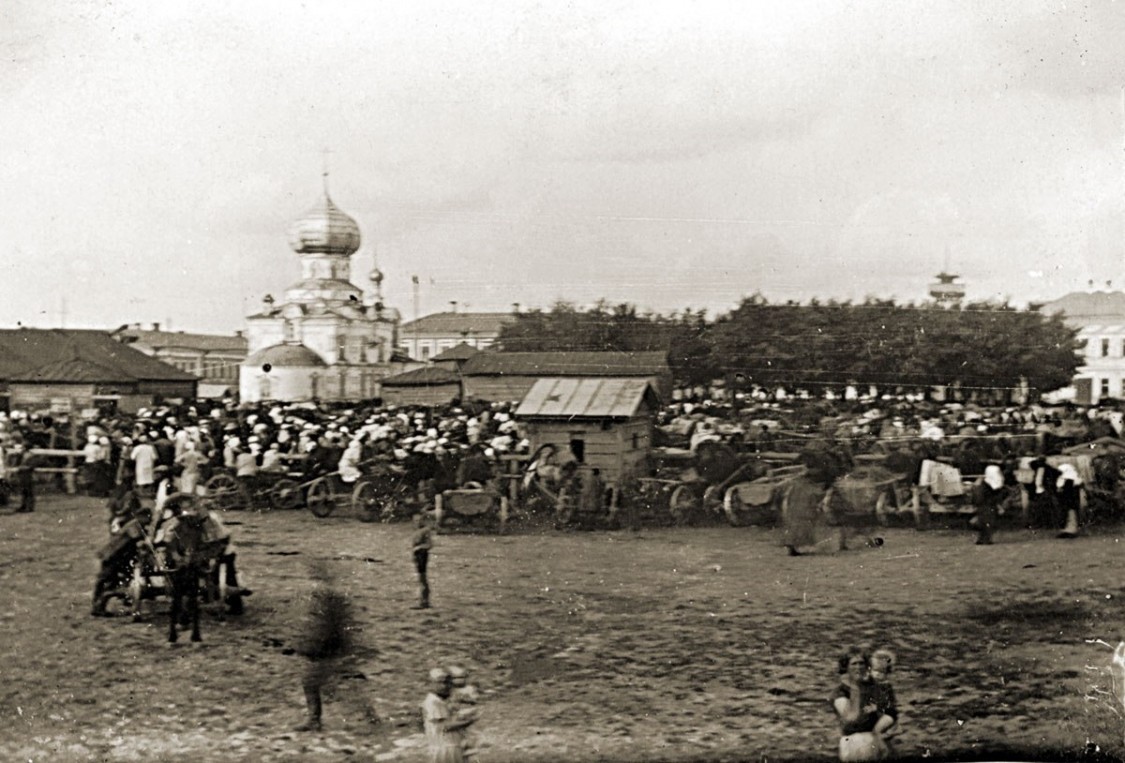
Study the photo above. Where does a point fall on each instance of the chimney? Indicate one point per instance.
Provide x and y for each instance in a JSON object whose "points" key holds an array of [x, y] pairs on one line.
{"points": [[156, 326], [238, 333]]}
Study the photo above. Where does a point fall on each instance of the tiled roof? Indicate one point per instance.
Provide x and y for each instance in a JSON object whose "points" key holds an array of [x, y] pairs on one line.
{"points": [[457, 323], [566, 364], [51, 354], [571, 398], [201, 342], [428, 376]]}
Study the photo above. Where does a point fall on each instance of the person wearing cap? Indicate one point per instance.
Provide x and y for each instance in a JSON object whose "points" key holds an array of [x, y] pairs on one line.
{"points": [[444, 731]]}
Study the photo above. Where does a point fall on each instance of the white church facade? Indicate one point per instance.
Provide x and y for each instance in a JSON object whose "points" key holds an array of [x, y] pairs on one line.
{"points": [[326, 340]]}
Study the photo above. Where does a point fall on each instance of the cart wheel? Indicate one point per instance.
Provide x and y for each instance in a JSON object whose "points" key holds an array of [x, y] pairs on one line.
{"points": [[733, 507], [320, 500], [365, 501], [285, 494], [227, 493], [681, 504]]}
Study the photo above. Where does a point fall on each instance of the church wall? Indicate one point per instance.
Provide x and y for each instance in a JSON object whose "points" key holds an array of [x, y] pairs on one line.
{"points": [[285, 384]]}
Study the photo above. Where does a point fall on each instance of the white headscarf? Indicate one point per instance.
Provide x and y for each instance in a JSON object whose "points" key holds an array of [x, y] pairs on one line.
{"points": [[993, 477], [1068, 472]]}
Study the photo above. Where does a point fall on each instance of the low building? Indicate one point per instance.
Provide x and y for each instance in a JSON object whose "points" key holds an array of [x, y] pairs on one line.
{"points": [[428, 386], [605, 423], [214, 358], [508, 376], [65, 370], [430, 335], [1099, 318]]}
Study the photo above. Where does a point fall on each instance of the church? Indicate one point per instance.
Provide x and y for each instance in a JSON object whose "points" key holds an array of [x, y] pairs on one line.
{"points": [[326, 340]]}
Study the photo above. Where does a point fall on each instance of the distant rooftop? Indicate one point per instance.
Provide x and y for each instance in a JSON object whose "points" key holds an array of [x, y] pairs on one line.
{"points": [[457, 323], [157, 339], [1084, 305]]}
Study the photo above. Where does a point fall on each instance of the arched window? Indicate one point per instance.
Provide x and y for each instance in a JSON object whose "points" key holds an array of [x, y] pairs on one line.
{"points": [[264, 390]]}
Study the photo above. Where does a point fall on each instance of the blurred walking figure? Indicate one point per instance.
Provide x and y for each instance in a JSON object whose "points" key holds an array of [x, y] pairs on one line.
{"points": [[988, 494], [444, 731], [421, 543], [325, 643], [801, 509]]}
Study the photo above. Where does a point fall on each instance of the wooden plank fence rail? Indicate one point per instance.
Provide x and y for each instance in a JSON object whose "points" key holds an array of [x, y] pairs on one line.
{"points": [[70, 470]]}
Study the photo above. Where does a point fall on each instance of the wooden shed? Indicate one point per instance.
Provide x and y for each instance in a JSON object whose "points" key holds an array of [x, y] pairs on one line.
{"points": [[508, 376], [606, 423]]}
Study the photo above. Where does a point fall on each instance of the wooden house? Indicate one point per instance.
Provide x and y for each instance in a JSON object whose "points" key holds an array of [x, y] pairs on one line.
{"points": [[606, 423]]}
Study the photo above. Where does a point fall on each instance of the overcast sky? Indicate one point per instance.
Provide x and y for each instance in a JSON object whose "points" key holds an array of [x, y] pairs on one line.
{"points": [[669, 155]]}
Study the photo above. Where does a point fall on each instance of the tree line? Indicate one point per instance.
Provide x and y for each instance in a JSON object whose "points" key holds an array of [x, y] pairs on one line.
{"points": [[980, 346]]}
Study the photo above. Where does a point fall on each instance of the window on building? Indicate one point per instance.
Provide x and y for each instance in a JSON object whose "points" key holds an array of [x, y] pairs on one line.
{"points": [[289, 331], [1105, 348], [425, 351], [1105, 388], [341, 349]]}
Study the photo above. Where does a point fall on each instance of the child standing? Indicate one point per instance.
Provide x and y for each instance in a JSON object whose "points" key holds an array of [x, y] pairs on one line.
{"points": [[463, 700], [421, 543]]}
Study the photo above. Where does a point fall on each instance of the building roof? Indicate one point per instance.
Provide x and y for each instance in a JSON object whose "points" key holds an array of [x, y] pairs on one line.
{"points": [[566, 364], [461, 352], [285, 356], [73, 355], [428, 376], [160, 340], [1083, 305], [457, 323], [601, 398]]}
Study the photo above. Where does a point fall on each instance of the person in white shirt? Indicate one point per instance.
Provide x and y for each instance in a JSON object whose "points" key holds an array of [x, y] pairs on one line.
{"points": [[349, 466], [144, 465], [444, 732]]}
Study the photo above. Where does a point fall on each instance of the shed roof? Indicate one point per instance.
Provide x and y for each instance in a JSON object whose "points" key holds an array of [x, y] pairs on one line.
{"points": [[63, 354], [428, 376], [601, 398], [566, 364]]}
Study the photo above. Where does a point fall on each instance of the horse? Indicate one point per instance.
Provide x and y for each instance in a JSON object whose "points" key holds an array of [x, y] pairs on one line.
{"points": [[187, 563]]}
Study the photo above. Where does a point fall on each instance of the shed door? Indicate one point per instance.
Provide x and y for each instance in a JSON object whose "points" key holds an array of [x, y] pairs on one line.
{"points": [[578, 448]]}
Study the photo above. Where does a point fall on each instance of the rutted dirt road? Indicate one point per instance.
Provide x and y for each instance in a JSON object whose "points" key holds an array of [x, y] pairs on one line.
{"points": [[686, 644]]}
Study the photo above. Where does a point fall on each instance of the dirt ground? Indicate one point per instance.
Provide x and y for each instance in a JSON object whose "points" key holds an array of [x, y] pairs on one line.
{"points": [[678, 644]]}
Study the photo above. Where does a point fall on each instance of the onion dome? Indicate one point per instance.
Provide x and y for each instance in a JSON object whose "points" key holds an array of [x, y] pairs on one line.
{"points": [[285, 356], [324, 229]]}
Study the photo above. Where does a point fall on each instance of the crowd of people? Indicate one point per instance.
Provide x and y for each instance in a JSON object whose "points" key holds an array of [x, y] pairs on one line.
{"points": [[1013, 454]]}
